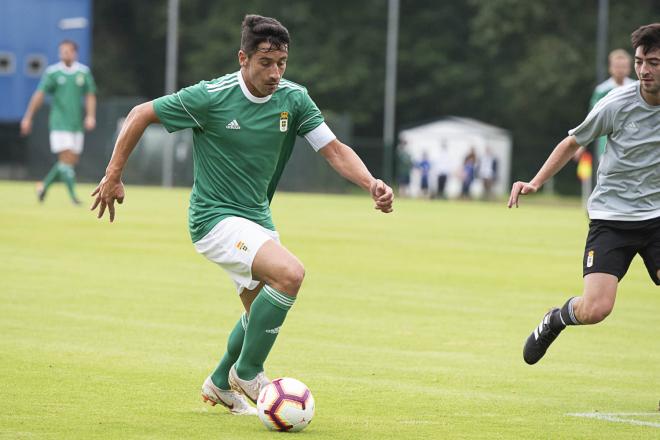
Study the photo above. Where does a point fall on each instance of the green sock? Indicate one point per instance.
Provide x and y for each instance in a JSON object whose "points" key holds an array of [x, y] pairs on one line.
{"points": [[68, 174], [267, 314], [52, 176], [220, 375]]}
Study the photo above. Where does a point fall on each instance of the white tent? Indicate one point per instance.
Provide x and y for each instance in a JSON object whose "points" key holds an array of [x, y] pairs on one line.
{"points": [[446, 143]]}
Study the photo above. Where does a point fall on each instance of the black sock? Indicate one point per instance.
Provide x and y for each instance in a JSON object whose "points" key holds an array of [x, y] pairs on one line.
{"points": [[559, 319], [567, 315]]}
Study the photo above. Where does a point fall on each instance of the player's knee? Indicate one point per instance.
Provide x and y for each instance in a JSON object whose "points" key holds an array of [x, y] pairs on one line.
{"points": [[291, 278]]}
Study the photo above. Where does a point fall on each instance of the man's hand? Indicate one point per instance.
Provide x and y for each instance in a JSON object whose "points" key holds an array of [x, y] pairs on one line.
{"points": [[26, 126], [382, 195], [90, 123], [518, 189], [106, 193]]}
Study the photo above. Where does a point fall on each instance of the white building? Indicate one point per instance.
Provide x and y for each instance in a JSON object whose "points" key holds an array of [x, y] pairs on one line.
{"points": [[446, 143]]}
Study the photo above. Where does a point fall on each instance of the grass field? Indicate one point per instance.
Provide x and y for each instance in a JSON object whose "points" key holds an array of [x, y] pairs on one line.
{"points": [[408, 326]]}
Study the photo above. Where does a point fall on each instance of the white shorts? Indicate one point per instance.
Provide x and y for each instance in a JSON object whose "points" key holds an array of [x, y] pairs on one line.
{"points": [[66, 140], [232, 244]]}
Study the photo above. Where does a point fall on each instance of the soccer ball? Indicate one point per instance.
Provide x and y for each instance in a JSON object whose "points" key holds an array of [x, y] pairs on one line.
{"points": [[285, 404]]}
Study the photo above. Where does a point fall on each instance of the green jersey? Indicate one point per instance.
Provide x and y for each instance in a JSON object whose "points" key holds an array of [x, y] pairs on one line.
{"points": [[67, 85], [241, 145]]}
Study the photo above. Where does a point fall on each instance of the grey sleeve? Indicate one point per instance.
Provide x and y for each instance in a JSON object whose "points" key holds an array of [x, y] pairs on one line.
{"points": [[599, 122]]}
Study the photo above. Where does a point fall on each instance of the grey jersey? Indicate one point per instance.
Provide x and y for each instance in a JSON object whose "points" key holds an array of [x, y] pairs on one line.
{"points": [[628, 185]]}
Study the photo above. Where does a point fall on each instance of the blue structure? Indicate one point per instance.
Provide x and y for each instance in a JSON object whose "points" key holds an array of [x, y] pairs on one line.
{"points": [[30, 32]]}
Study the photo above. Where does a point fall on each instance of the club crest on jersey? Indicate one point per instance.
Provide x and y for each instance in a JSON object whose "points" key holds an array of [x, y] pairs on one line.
{"points": [[80, 80], [590, 258], [284, 121]]}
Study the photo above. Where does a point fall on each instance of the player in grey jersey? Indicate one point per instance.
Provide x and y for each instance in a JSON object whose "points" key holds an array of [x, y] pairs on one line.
{"points": [[624, 209]]}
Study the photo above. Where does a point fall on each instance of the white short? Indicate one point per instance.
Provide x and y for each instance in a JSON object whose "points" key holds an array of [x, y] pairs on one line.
{"points": [[232, 244], [66, 140]]}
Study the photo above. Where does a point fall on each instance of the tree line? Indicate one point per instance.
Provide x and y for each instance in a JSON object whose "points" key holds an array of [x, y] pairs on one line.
{"points": [[524, 65]]}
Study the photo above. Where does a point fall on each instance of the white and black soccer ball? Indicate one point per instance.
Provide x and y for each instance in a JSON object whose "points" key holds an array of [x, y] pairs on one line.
{"points": [[285, 404]]}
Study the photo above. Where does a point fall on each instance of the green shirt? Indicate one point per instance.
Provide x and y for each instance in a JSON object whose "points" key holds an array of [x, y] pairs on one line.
{"points": [[67, 85], [241, 145]]}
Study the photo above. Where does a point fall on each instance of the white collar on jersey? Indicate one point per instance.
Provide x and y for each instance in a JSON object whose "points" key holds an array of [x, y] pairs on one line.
{"points": [[248, 95], [75, 66]]}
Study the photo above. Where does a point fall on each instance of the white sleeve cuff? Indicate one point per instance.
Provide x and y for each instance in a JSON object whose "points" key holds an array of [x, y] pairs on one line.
{"points": [[320, 136]]}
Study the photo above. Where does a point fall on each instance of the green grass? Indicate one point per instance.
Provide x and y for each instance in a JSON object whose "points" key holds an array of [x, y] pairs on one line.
{"points": [[408, 326]]}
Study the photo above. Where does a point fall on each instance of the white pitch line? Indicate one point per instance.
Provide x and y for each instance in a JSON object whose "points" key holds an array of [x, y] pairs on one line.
{"points": [[616, 417]]}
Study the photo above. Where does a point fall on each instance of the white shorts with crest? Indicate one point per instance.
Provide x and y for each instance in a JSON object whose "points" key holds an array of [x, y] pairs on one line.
{"points": [[232, 244], [66, 140]]}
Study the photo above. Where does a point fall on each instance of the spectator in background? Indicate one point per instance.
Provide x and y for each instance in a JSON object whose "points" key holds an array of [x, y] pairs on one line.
{"points": [[404, 165], [68, 82], [487, 172], [620, 63], [442, 167], [424, 167], [469, 165]]}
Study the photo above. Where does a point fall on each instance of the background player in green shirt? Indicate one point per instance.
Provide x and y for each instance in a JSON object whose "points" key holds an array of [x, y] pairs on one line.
{"points": [[67, 82], [619, 67], [244, 128]]}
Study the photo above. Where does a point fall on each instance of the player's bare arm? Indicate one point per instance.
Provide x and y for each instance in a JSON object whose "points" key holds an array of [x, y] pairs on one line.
{"points": [[90, 111], [559, 157], [111, 187], [349, 165], [36, 102]]}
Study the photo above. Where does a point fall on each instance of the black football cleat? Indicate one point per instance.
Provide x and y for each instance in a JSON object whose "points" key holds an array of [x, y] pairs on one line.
{"points": [[538, 342]]}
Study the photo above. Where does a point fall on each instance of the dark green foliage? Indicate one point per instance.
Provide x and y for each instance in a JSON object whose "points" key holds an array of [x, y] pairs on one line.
{"points": [[528, 66]]}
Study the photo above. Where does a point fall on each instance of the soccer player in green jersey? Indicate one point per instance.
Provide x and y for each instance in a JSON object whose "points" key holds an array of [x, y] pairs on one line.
{"points": [[67, 82], [244, 128]]}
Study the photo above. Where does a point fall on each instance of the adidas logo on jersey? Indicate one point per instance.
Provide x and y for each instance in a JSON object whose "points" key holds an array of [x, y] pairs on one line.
{"points": [[233, 125]]}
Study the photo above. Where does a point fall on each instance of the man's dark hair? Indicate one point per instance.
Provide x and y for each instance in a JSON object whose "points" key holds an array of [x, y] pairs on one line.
{"points": [[257, 29], [648, 37], [70, 43]]}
